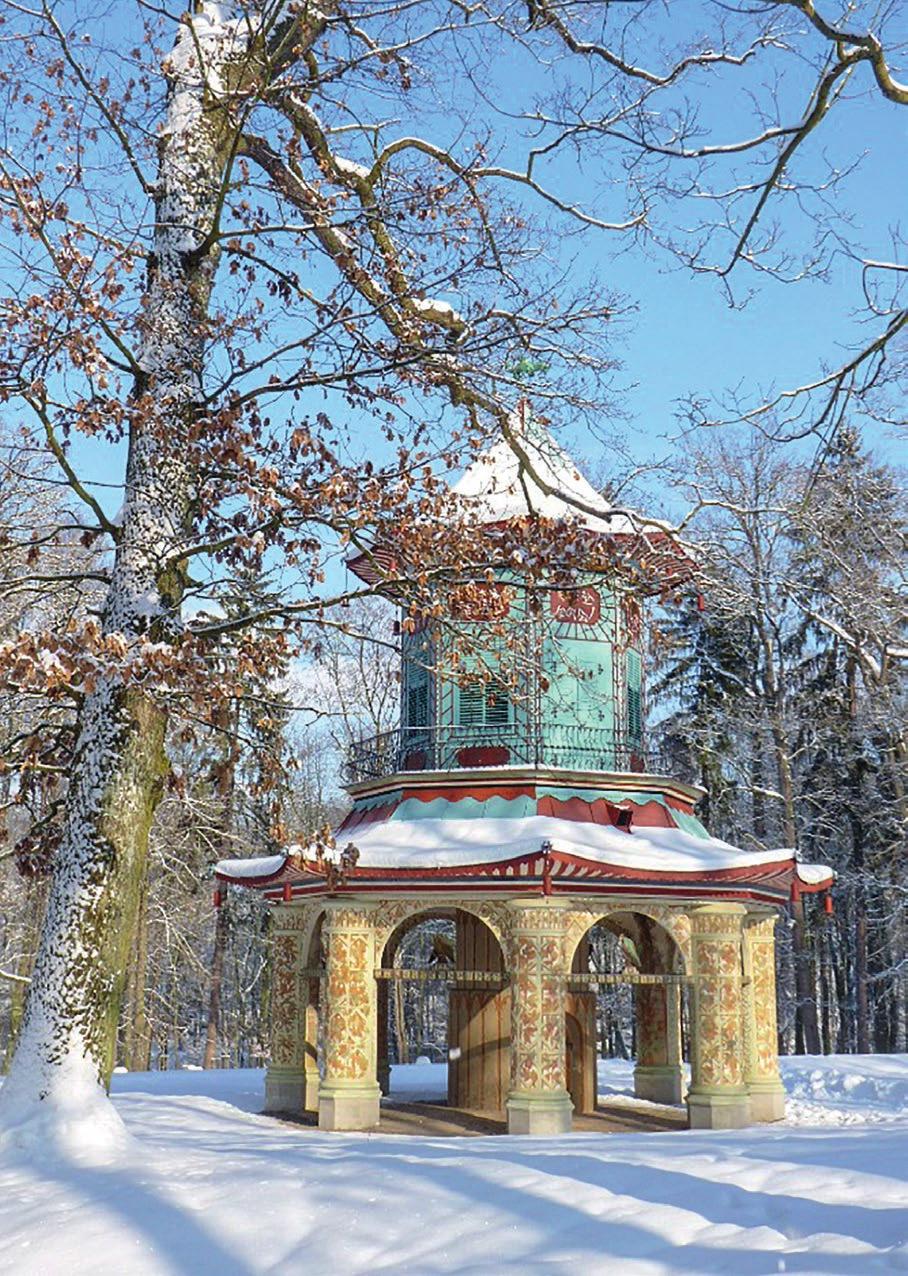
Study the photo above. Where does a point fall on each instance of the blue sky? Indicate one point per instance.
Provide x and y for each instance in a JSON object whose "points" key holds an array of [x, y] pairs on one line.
{"points": [[683, 337]]}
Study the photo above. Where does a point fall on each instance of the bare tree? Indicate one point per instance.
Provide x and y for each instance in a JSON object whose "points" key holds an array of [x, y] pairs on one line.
{"points": [[36, 723], [766, 200], [245, 169], [789, 690]]}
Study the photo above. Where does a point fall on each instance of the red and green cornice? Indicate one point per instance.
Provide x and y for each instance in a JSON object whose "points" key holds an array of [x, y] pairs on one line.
{"points": [[624, 802]]}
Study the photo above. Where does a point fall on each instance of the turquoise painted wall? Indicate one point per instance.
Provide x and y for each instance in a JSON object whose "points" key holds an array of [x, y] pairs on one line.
{"points": [[577, 702]]}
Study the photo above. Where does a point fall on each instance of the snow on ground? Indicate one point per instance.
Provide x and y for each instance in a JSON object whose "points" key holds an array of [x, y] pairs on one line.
{"points": [[837, 1090], [844, 1090], [209, 1186]]}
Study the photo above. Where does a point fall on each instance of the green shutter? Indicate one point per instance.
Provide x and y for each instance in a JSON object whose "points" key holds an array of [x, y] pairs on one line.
{"points": [[634, 704], [483, 704], [470, 708], [418, 706], [496, 704]]}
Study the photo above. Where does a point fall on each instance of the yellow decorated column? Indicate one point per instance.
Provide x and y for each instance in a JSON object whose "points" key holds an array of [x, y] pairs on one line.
{"points": [[285, 1080], [349, 1095], [538, 1100], [767, 1094], [658, 1075], [718, 1097], [313, 1080]]}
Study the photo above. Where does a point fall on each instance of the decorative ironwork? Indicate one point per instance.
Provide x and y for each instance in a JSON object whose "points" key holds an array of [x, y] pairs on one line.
{"points": [[452, 747], [444, 975], [501, 979], [596, 979]]}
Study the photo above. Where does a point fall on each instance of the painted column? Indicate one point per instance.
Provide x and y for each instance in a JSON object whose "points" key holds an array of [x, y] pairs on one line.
{"points": [[761, 1073], [718, 1097], [349, 1095], [538, 1100], [285, 1080], [658, 1075], [310, 1047]]}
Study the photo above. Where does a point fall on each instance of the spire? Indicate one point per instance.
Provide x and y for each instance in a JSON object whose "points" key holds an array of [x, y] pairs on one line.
{"points": [[501, 485]]}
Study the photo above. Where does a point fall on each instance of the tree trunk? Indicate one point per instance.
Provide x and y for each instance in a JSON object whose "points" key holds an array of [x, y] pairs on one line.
{"points": [[74, 1000], [139, 1039], [825, 991], [757, 788], [861, 973], [227, 793], [807, 1025], [808, 1029], [845, 1017], [854, 787], [400, 1027], [119, 763], [221, 928]]}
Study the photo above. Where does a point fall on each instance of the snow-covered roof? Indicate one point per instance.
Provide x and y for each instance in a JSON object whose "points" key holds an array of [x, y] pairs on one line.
{"points": [[426, 844], [498, 486], [540, 478], [814, 874], [445, 843], [263, 866]]}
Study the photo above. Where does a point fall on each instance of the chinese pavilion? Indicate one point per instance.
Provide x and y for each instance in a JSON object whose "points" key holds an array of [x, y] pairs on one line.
{"points": [[528, 816]]}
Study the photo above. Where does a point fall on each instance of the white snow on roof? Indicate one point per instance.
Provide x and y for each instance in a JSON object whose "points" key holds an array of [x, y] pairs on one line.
{"points": [[447, 843], [497, 486], [263, 866], [813, 874]]}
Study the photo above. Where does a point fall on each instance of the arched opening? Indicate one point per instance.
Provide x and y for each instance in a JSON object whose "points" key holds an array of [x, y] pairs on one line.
{"points": [[627, 996], [413, 1008], [443, 1029]]}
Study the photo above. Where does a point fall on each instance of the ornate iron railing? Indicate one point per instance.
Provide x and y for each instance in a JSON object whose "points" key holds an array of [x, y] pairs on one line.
{"points": [[449, 748]]}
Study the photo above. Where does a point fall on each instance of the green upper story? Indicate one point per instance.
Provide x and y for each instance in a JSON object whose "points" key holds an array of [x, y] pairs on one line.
{"points": [[531, 675], [559, 683]]}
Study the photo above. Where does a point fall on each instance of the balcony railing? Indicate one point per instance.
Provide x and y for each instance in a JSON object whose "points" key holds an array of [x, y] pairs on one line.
{"points": [[449, 748]]}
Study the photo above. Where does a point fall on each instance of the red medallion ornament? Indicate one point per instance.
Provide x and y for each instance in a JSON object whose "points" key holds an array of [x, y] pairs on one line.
{"points": [[576, 606]]}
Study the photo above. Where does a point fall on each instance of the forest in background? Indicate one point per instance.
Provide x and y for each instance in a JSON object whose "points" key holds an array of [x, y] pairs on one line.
{"points": [[776, 681]]}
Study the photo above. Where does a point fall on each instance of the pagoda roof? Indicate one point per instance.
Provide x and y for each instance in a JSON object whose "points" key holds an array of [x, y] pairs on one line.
{"points": [[504, 835], [501, 485], [531, 475]]}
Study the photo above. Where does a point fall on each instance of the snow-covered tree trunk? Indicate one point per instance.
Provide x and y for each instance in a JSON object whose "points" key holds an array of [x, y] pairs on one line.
{"points": [[138, 1030], [66, 1046]]}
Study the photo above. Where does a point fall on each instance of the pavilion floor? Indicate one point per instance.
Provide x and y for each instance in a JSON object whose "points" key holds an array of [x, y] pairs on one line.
{"points": [[434, 1120]]}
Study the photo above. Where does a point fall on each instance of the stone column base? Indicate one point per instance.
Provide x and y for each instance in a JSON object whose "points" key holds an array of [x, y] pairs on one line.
{"points": [[659, 1083], [728, 1110], [285, 1090], [767, 1100], [354, 1107], [539, 1113]]}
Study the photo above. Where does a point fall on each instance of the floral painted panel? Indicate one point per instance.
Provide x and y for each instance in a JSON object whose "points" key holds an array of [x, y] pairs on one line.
{"points": [[718, 1053], [652, 1025], [286, 947], [537, 1007], [763, 1044], [351, 1012]]}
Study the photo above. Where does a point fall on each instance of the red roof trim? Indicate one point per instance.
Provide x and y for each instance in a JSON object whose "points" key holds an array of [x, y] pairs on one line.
{"points": [[569, 872], [762, 893], [481, 793]]}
